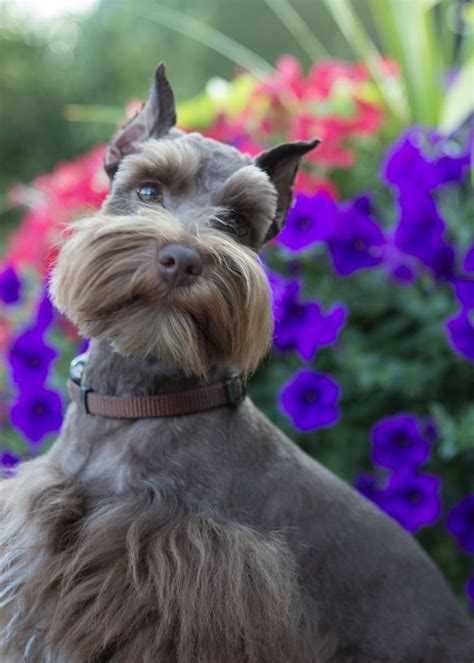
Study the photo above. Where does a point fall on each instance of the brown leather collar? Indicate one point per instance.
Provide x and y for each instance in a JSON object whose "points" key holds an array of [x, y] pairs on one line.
{"points": [[228, 392]]}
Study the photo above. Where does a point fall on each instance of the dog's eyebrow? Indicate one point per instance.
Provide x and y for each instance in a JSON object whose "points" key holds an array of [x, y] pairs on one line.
{"points": [[249, 191], [170, 162]]}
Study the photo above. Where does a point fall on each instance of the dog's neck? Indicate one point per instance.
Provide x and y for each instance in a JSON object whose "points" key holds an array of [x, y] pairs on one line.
{"points": [[108, 372]]}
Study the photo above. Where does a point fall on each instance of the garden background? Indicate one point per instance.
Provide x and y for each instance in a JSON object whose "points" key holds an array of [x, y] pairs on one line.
{"points": [[373, 276]]}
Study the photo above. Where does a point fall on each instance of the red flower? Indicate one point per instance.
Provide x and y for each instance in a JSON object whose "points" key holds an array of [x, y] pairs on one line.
{"points": [[56, 199]]}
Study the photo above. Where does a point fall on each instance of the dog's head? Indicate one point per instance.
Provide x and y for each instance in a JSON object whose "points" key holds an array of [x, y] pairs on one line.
{"points": [[169, 268]]}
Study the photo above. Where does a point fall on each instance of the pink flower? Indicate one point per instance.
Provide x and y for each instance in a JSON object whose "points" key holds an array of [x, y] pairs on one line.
{"points": [[55, 199]]}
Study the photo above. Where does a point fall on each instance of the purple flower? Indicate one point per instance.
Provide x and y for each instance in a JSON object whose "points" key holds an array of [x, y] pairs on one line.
{"points": [[10, 286], [420, 233], [37, 413], [30, 358], [368, 486], [45, 314], [413, 499], [310, 220], [397, 442], [461, 523], [464, 284], [405, 165], [403, 273], [303, 325], [464, 289], [468, 264], [357, 241], [400, 266], [421, 160], [8, 463], [310, 400], [460, 331]]}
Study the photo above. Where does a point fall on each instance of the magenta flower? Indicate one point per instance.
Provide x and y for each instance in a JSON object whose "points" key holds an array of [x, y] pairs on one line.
{"points": [[397, 442], [357, 241], [461, 523], [37, 413], [460, 331], [310, 220], [10, 286], [310, 400], [303, 325]]}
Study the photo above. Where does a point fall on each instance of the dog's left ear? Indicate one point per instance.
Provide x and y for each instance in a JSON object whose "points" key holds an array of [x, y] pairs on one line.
{"points": [[281, 164], [155, 119]]}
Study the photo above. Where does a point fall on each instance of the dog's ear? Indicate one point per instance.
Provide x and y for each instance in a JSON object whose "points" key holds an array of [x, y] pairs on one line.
{"points": [[155, 119], [281, 164]]}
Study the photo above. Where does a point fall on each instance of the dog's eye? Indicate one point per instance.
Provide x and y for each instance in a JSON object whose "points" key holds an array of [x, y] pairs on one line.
{"points": [[150, 193], [238, 225], [233, 223]]}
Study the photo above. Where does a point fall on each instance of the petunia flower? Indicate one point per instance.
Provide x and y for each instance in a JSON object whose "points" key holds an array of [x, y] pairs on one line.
{"points": [[30, 358], [413, 499], [460, 523], [420, 232], [421, 160], [368, 486], [464, 284], [36, 413], [357, 241], [10, 286], [302, 325], [8, 463], [310, 400], [397, 442], [460, 330], [310, 220]]}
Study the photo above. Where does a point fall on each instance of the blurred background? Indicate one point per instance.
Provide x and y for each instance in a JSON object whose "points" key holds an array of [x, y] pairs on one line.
{"points": [[373, 276]]}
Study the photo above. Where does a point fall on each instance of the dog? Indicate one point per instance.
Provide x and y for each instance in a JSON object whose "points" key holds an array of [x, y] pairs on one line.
{"points": [[171, 521]]}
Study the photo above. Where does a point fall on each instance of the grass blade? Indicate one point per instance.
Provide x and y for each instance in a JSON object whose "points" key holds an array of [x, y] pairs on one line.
{"points": [[298, 28], [357, 37], [194, 29]]}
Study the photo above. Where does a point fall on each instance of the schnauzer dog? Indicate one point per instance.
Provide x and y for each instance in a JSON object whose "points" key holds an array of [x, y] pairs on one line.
{"points": [[172, 521]]}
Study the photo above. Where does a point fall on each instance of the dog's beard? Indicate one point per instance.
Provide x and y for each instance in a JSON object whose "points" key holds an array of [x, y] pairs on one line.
{"points": [[107, 282]]}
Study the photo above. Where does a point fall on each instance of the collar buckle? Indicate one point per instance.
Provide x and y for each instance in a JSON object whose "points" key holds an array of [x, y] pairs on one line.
{"points": [[235, 389], [76, 370]]}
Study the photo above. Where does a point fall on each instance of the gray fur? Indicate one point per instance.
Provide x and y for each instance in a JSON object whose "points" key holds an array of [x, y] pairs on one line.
{"points": [[208, 537]]}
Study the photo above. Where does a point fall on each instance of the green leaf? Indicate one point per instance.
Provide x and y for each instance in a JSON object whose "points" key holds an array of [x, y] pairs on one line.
{"points": [[357, 37], [459, 101]]}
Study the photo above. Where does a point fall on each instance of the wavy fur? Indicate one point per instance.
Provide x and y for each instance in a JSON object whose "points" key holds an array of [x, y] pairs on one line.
{"points": [[106, 281], [138, 577]]}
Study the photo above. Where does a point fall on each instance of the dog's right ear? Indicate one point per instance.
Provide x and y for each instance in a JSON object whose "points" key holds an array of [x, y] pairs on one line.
{"points": [[156, 117]]}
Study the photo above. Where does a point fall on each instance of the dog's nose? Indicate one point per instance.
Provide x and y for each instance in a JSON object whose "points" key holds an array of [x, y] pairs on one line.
{"points": [[179, 264]]}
